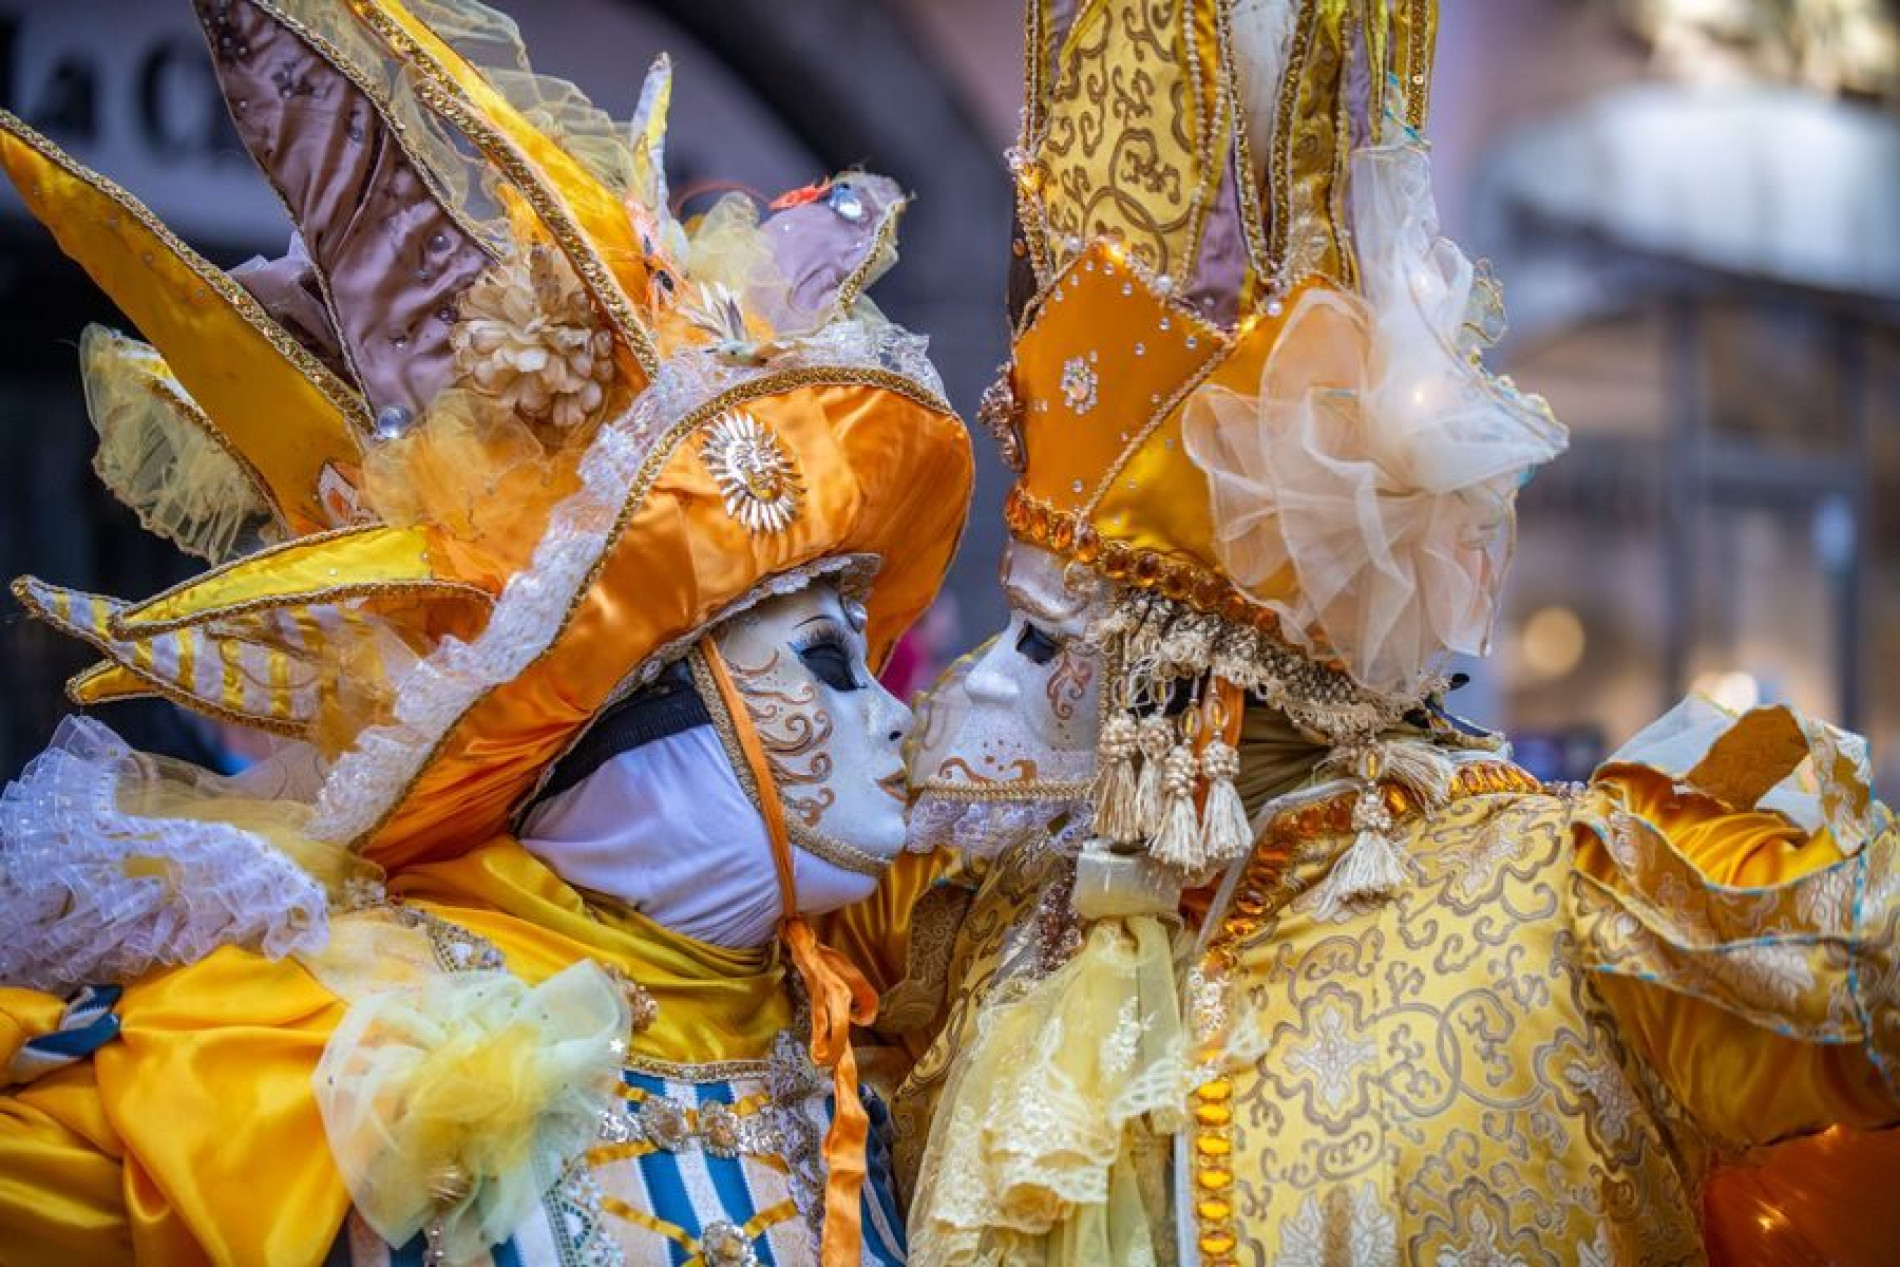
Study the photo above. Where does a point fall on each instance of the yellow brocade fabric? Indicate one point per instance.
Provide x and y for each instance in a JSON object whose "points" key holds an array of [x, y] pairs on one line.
{"points": [[1536, 1051], [195, 1137], [1580, 1009]]}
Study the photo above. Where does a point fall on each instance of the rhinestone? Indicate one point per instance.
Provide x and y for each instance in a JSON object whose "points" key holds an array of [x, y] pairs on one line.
{"points": [[1141, 349], [1191, 340], [664, 1122], [1165, 323], [847, 202], [438, 241], [1076, 487], [1275, 308], [392, 421]]}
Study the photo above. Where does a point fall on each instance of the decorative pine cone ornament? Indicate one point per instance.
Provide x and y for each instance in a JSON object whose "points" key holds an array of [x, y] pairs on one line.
{"points": [[529, 340]]}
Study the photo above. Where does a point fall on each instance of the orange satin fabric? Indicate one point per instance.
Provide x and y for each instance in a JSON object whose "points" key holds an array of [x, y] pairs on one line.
{"points": [[840, 998], [883, 474]]}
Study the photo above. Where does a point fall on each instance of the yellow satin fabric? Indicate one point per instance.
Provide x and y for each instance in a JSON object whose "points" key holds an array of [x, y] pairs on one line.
{"points": [[162, 1142], [283, 417], [715, 1004]]}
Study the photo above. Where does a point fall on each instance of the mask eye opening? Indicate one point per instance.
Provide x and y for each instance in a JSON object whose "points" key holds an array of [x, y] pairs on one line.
{"points": [[828, 653], [1036, 645]]}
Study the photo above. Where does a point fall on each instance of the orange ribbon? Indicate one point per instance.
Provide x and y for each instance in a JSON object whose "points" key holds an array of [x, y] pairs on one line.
{"points": [[840, 998]]}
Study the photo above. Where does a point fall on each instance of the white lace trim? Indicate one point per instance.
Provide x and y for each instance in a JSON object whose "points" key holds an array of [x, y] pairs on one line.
{"points": [[985, 829], [92, 894], [369, 779]]}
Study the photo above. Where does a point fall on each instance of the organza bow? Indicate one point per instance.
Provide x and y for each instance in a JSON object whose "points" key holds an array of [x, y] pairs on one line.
{"points": [[1366, 494]]}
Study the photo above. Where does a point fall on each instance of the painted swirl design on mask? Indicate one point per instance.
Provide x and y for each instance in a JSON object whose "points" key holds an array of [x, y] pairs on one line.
{"points": [[1068, 683], [795, 731]]}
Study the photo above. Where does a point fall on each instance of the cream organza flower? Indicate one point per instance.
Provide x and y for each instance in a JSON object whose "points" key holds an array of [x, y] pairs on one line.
{"points": [[1366, 494], [453, 1101], [529, 339]]}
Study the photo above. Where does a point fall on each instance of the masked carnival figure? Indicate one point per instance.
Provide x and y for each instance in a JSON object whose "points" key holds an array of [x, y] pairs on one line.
{"points": [[555, 539], [1299, 968]]}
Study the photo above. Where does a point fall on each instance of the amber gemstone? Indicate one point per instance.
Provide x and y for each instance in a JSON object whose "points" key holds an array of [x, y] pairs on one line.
{"points": [[1117, 560], [1176, 581], [1062, 533], [1217, 1243], [1213, 1115], [1214, 1179], [1088, 543], [1216, 1092], [1147, 569], [1209, 589]]}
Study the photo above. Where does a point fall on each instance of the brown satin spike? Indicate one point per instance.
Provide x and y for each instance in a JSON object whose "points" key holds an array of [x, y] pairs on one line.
{"points": [[392, 260]]}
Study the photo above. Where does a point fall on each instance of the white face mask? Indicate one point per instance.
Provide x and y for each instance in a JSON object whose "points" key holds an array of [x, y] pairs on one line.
{"points": [[1015, 721], [834, 737], [667, 829]]}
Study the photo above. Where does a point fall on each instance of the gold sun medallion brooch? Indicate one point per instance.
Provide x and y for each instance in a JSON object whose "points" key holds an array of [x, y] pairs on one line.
{"points": [[756, 477]]}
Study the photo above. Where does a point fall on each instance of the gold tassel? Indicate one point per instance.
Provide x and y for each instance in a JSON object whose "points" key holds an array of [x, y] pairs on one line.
{"points": [[1154, 739], [1116, 817], [1420, 769], [1224, 830], [1373, 867], [1177, 838]]}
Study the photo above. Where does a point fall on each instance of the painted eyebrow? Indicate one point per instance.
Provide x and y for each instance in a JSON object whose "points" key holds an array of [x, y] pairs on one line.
{"points": [[812, 620]]}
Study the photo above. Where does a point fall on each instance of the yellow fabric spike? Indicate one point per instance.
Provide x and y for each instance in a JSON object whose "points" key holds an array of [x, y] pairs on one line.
{"points": [[584, 217], [381, 568], [226, 678], [272, 401], [291, 638]]}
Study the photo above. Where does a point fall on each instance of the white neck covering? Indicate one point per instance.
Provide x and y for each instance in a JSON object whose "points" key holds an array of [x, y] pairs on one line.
{"points": [[666, 829]]}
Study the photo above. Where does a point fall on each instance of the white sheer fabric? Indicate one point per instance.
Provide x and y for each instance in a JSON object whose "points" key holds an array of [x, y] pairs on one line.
{"points": [[1366, 494], [666, 829], [113, 863]]}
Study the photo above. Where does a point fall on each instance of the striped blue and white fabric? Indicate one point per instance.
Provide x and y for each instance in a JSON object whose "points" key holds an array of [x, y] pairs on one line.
{"points": [[714, 1165]]}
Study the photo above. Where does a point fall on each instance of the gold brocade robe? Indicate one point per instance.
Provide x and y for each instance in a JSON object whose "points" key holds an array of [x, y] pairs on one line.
{"points": [[195, 1135], [1536, 1052]]}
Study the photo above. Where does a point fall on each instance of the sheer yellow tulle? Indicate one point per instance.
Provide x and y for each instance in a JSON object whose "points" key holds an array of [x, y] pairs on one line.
{"points": [[161, 456], [439, 1102], [475, 475], [1047, 1147]]}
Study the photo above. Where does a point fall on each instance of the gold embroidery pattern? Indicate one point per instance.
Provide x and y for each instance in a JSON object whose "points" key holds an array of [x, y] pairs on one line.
{"points": [[1126, 142], [1456, 1053]]}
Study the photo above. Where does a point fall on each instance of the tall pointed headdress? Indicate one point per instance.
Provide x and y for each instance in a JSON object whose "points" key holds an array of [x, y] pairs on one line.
{"points": [[1244, 393]]}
